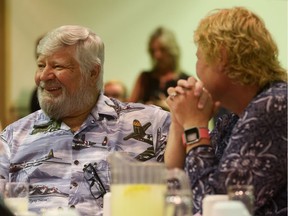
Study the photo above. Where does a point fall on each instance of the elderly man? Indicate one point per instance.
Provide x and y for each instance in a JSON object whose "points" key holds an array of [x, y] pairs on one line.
{"points": [[62, 149]]}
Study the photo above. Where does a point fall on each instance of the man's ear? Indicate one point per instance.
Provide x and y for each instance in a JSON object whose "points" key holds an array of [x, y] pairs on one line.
{"points": [[95, 71]]}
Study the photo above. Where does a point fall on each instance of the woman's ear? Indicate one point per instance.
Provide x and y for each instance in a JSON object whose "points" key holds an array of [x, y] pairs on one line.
{"points": [[223, 56], [222, 60]]}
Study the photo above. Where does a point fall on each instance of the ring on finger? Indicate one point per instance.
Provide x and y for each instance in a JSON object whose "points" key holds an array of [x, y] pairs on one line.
{"points": [[172, 95]]}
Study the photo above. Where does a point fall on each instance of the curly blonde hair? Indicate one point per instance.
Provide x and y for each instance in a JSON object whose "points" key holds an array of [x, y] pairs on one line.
{"points": [[251, 51]]}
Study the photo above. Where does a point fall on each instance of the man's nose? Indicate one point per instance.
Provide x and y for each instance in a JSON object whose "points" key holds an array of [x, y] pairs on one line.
{"points": [[47, 73]]}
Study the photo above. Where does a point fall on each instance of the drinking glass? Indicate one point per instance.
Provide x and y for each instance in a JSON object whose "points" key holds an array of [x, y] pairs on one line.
{"points": [[2, 187], [178, 203], [16, 195], [243, 193]]}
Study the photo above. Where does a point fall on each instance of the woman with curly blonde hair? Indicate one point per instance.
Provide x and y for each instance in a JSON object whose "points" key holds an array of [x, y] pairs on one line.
{"points": [[238, 68]]}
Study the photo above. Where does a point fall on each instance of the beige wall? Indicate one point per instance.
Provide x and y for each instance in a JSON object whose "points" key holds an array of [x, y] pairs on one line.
{"points": [[2, 62], [124, 26]]}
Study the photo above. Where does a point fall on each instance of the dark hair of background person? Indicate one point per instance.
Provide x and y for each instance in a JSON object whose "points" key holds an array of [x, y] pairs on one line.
{"points": [[34, 103]]}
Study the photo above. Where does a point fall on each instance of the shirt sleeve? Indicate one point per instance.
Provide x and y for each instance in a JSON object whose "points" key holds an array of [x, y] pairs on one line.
{"points": [[161, 134], [4, 155]]}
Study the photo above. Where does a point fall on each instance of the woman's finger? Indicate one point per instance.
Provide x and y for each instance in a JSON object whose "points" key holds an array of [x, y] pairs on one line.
{"points": [[192, 81], [170, 90], [204, 97], [198, 89]]}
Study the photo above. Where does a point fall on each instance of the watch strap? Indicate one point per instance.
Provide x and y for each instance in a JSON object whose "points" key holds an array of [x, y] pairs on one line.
{"points": [[204, 132]]}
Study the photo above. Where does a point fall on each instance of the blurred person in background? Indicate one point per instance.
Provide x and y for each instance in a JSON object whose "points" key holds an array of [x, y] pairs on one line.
{"points": [[115, 89], [151, 85], [34, 103]]}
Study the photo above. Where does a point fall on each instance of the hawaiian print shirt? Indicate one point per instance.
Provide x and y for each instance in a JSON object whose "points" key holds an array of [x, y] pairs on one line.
{"points": [[250, 149], [63, 167]]}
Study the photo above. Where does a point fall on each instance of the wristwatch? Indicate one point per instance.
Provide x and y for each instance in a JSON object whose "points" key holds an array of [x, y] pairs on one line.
{"points": [[194, 135]]}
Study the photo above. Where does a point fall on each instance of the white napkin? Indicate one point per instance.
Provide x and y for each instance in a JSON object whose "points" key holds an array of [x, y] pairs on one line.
{"points": [[229, 208], [107, 204]]}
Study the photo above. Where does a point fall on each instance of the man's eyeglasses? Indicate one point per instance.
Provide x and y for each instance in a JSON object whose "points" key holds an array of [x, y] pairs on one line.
{"points": [[97, 188]]}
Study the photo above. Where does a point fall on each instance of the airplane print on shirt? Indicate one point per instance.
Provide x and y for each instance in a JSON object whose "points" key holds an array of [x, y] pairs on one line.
{"points": [[15, 167], [119, 109], [50, 126], [139, 134], [81, 143], [36, 191]]}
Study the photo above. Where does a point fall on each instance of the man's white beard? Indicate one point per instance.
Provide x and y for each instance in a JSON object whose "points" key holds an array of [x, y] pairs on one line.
{"points": [[66, 103]]}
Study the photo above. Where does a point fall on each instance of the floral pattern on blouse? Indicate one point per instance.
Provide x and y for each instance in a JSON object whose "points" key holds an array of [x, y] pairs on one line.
{"points": [[249, 149]]}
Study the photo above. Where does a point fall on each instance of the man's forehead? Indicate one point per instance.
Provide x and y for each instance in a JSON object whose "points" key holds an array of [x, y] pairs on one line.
{"points": [[63, 53]]}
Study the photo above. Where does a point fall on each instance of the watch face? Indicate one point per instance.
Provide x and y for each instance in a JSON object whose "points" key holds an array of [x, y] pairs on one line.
{"points": [[192, 135]]}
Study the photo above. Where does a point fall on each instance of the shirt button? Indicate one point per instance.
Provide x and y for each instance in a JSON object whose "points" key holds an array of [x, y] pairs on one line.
{"points": [[76, 162], [92, 121]]}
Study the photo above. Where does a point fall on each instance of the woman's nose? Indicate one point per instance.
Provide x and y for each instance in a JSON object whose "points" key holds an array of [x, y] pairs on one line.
{"points": [[157, 54]]}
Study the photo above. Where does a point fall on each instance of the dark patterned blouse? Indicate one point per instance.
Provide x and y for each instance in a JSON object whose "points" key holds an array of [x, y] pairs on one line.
{"points": [[150, 86], [250, 149]]}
